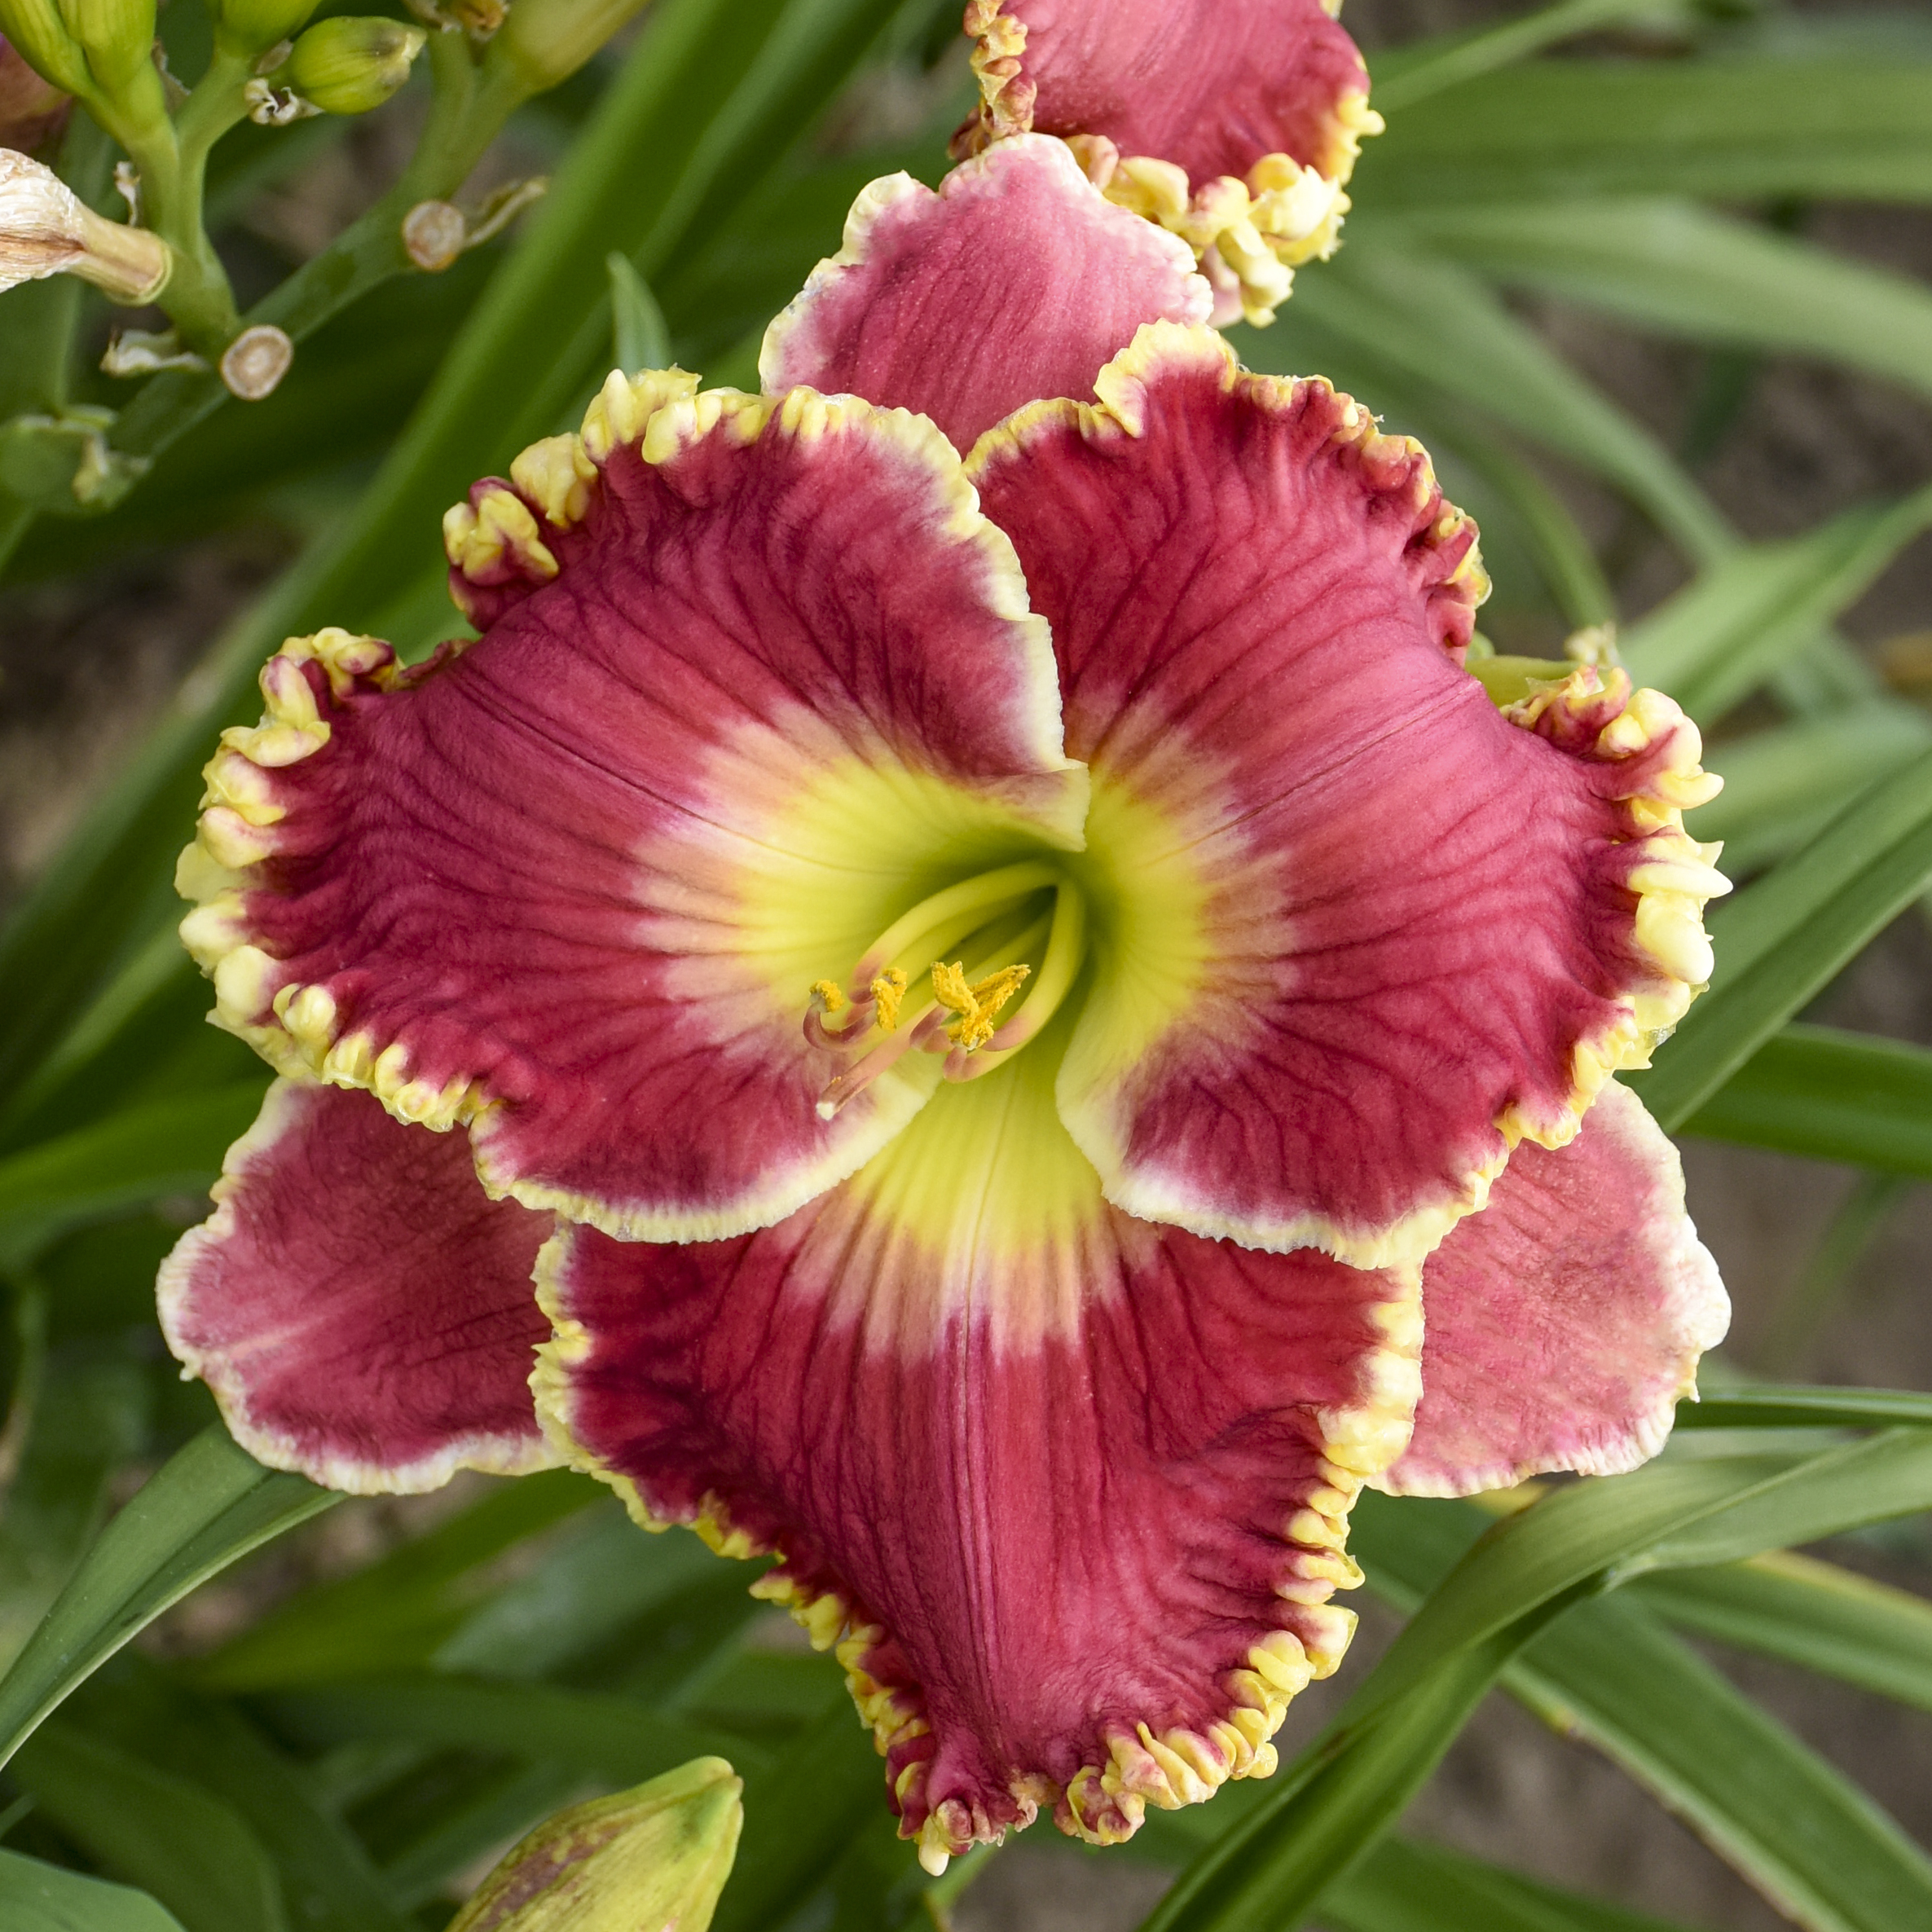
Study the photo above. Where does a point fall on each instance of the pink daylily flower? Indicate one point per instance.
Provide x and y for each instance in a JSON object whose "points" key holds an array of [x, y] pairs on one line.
{"points": [[990, 992], [1233, 123]]}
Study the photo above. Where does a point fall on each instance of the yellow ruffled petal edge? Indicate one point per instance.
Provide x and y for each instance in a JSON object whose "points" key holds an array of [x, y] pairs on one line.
{"points": [[1102, 1804], [1249, 235], [661, 414]]}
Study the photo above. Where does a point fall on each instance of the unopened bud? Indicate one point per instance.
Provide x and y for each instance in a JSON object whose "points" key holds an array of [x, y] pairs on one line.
{"points": [[45, 229], [256, 361], [33, 110], [39, 36], [117, 36], [545, 42], [351, 64], [643, 1861], [254, 26]]}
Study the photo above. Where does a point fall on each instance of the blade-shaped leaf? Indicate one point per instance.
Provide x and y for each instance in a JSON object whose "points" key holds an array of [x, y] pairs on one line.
{"points": [[1719, 638], [1406, 1885], [163, 1833], [1806, 1612], [144, 1154], [1779, 941], [1783, 786], [1441, 324], [209, 1505], [1776, 1406], [1733, 129], [1832, 1095], [38, 1897], [1682, 270]]}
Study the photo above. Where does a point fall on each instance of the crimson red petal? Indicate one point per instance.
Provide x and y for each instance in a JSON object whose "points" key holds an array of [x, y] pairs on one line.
{"points": [[363, 1312]]}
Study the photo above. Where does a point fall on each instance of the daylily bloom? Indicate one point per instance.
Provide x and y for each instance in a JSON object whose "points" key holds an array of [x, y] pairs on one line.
{"points": [[978, 985], [1234, 123]]}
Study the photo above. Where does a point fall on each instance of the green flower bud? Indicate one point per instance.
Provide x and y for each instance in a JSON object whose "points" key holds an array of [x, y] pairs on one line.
{"points": [[351, 64], [118, 36], [36, 31], [657, 1856], [254, 26], [545, 42]]}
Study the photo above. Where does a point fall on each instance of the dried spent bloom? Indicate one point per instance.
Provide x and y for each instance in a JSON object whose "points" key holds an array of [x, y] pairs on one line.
{"points": [[45, 229], [1234, 123]]}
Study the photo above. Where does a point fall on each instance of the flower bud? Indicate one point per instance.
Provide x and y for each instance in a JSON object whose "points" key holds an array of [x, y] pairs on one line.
{"points": [[38, 35], [654, 1857], [46, 230], [545, 41], [254, 26], [117, 36], [351, 64], [32, 110]]}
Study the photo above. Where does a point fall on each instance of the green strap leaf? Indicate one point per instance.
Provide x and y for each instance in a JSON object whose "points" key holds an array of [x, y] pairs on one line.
{"points": [[144, 1154], [160, 1832], [1440, 323], [1783, 785], [1741, 129], [1678, 269], [1779, 941], [639, 338], [1832, 1095], [617, 1738], [35, 1897], [1784, 1406], [210, 1504], [1806, 1612], [1406, 1885], [1746, 615], [1819, 1850]]}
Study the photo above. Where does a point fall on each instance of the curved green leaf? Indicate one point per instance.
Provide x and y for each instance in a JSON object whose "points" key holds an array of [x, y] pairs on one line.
{"points": [[1739, 129], [208, 1504], [1829, 1094], [1777, 1405], [37, 1897], [1681, 270]]}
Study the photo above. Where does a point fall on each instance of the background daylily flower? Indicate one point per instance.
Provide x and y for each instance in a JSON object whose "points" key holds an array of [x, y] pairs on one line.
{"points": [[1233, 123], [998, 1087]]}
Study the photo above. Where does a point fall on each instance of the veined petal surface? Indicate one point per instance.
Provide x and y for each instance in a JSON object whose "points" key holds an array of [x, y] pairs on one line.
{"points": [[1067, 1490], [1357, 930], [756, 677], [363, 1313], [1016, 279], [1563, 1323]]}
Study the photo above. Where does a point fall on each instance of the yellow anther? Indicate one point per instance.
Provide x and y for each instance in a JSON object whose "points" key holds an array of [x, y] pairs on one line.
{"points": [[830, 995], [888, 989], [977, 1006]]}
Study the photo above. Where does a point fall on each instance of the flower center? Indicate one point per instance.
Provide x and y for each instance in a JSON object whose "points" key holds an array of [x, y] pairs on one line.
{"points": [[994, 923]]}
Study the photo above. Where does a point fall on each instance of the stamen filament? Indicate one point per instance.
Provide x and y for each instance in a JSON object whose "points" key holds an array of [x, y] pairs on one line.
{"points": [[939, 922], [1066, 954]]}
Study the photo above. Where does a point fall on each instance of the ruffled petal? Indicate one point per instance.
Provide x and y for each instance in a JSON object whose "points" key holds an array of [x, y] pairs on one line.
{"points": [[362, 1310], [1358, 931], [757, 676], [1016, 279], [1234, 123], [1068, 1490], [1565, 1321]]}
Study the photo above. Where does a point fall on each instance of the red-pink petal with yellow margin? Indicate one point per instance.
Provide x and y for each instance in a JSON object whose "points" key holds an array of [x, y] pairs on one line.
{"points": [[1355, 929], [572, 886], [1211, 84], [1017, 280], [363, 1311], [1563, 1323], [1059, 1476]]}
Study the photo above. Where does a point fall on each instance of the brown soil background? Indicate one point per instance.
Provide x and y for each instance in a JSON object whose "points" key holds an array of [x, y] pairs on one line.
{"points": [[85, 664]]}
